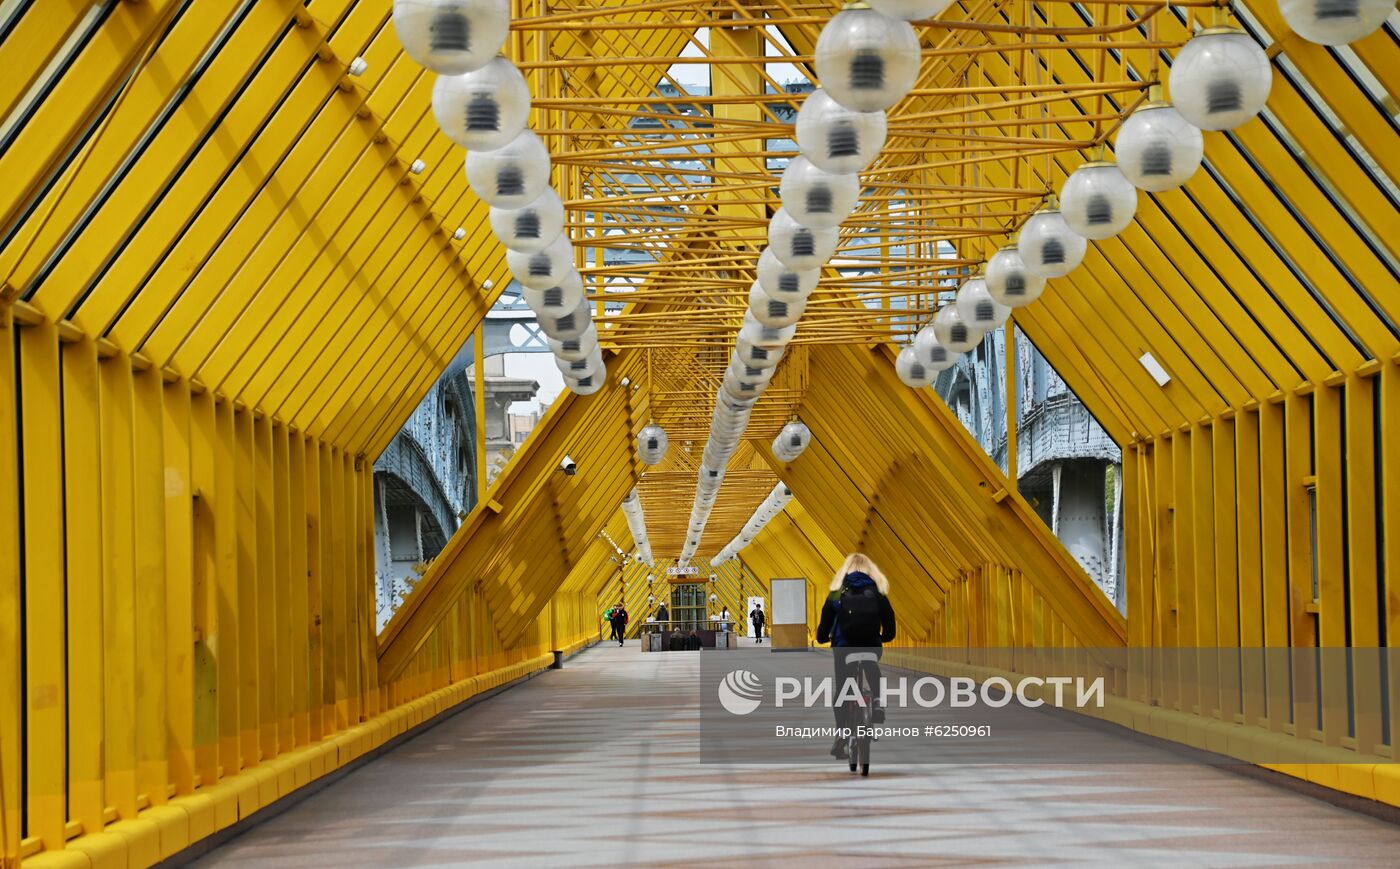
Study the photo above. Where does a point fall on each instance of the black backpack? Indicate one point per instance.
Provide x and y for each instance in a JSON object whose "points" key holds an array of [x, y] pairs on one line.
{"points": [[859, 617]]}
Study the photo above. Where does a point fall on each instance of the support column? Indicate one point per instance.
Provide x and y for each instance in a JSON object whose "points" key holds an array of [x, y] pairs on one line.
{"points": [[479, 399], [1010, 354]]}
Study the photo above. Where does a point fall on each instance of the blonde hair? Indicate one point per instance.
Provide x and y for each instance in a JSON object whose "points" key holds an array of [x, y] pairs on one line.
{"points": [[859, 562]]}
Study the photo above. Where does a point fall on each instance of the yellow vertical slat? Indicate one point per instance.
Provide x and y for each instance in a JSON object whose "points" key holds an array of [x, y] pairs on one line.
{"points": [[178, 579], [299, 627], [1331, 545], [204, 590], [82, 534], [245, 532], [1249, 575], [118, 584], [265, 588], [1226, 570], [284, 673], [353, 598], [154, 664], [319, 725], [1201, 603], [11, 616], [1274, 551], [336, 613], [1298, 454], [1363, 617], [229, 600], [46, 713], [1390, 533]]}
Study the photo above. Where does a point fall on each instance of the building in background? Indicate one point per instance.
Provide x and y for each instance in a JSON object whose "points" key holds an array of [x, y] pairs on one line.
{"points": [[504, 432], [1067, 466]]}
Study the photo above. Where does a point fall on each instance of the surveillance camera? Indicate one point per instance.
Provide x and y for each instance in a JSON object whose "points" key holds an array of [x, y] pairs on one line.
{"points": [[568, 466]]}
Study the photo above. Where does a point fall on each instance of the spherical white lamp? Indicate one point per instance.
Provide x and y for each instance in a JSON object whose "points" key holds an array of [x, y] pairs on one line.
{"points": [[576, 347], [977, 308], [865, 60], [773, 312], [558, 299], [933, 354], [815, 197], [1335, 22], [483, 109], [452, 36], [578, 368], [835, 138], [1098, 201], [1009, 281], [532, 226], [587, 385], [739, 387], [911, 370], [1158, 149], [562, 327], [750, 372], [756, 354], [785, 283], [910, 10], [652, 444], [952, 332], [543, 269], [1221, 78], [773, 338], [797, 246], [1049, 247], [793, 439], [512, 176]]}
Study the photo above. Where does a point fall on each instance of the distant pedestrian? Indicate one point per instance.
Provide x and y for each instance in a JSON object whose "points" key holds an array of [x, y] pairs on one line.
{"points": [[661, 614], [759, 620], [619, 623]]}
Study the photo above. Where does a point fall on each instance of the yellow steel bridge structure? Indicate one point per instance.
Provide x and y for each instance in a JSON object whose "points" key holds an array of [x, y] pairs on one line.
{"points": [[225, 285]]}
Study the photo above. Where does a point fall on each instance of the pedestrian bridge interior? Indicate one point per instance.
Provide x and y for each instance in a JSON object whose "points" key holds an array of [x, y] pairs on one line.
{"points": [[237, 250]]}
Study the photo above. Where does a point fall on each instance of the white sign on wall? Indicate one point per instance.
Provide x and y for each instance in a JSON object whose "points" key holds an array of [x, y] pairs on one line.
{"points": [[688, 570]]}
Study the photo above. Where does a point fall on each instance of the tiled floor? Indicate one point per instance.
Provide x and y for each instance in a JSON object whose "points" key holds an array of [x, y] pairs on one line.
{"points": [[596, 765]]}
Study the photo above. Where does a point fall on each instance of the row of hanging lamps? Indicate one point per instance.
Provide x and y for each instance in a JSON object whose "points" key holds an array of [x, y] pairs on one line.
{"points": [[1335, 22], [637, 525], [866, 62], [482, 102], [771, 506], [1219, 80]]}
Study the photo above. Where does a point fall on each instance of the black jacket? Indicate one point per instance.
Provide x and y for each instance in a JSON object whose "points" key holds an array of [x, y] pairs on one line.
{"points": [[828, 631]]}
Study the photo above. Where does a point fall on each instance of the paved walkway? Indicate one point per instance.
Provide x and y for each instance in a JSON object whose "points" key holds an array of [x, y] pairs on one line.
{"points": [[596, 765]]}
